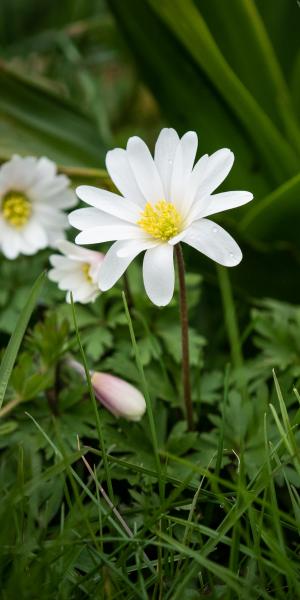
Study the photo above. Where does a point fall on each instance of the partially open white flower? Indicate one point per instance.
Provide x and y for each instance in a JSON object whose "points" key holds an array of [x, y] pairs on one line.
{"points": [[32, 199], [77, 271], [164, 200]]}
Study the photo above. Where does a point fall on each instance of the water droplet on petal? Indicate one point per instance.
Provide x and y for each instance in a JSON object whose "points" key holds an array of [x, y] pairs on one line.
{"points": [[231, 254], [215, 230]]}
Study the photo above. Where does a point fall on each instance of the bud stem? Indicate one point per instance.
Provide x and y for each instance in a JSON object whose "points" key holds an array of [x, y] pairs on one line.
{"points": [[184, 338]]}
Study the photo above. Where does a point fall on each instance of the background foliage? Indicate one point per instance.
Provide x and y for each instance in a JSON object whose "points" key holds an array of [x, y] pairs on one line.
{"points": [[221, 517]]}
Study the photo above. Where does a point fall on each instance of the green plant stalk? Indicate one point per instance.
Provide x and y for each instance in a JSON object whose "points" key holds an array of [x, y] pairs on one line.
{"points": [[187, 396], [230, 317], [147, 398], [92, 396], [219, 457]]}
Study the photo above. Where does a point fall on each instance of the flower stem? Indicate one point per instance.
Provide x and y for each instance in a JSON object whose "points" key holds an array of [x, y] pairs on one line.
{"points": [[184, 338]]}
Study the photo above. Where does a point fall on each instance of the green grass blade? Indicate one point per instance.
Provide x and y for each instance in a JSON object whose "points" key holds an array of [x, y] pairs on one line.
{"points": [[12, 349], [95, 407], [147, 397], [270, 70]]}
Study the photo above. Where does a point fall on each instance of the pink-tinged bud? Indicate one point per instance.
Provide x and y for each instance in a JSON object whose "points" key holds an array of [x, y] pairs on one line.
{"points": [[121, 398]]}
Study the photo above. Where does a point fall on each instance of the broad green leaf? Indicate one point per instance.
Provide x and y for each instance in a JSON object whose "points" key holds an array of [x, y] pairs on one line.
{"points": [[280, 17], [190, 28], [246, 45], [16, 338], [35, 121], [189, 101], [271, 219]]}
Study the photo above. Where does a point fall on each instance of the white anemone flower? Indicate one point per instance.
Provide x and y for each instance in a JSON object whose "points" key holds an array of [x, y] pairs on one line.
{"points": [[165, 200], [32, 199], [77, 271]]}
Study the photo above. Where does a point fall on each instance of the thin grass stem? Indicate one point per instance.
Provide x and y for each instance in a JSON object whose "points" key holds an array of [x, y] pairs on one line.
{"points": [[187, 396]]}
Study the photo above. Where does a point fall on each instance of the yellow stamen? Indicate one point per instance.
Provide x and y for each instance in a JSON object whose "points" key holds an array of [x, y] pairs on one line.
{"points": [[162, 220], [16, 209], [86, 271]]}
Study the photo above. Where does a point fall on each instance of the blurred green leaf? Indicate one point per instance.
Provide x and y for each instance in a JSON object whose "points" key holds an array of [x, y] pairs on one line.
{"points": [[35, 121], [271, 219], [190, 28]]}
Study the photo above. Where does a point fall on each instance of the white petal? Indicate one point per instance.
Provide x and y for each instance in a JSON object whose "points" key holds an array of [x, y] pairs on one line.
{"points": [[189, 143], [17, 173], [65, 199], [109, 203], [74, 252], [194, 182], [35, 235], [54, 235], [54, 275], [165, 149], [178, 238], [46, 168], [98, 235], [60, 262], [119, 169], [10, 243], [226, 200], [85, 218], [213, 241], [44, 188], [218, 166], [72, 280], [159, 275], [85, 293], [183, 164], [129, 246], [114, 266], [49, 216], [144, 169]]}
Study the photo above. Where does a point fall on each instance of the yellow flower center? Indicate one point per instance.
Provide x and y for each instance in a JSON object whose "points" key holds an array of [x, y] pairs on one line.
{"points": [[86, 271], [16, 209], [162, 220]]}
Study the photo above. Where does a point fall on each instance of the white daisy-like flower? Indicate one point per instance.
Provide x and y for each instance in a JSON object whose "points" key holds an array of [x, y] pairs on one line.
{"points": [[32, 199], [164, 201], [77, 271]]}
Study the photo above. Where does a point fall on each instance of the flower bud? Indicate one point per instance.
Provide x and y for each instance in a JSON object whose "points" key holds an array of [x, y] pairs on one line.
{"points": [[121, 398]]}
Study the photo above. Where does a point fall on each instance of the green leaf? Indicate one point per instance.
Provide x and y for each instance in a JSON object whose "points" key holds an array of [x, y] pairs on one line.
{"points": [[16, 339], [188, 101], [254, 60], [37, 121], [270, 218], [188, 25], [98, 341]]}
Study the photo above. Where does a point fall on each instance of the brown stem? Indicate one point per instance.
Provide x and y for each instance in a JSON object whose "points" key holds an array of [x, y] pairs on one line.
{"points": [[184, 338]]}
